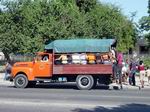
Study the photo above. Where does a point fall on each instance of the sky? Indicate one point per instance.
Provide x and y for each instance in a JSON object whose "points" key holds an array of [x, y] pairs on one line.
{"points": [[128, 6]]}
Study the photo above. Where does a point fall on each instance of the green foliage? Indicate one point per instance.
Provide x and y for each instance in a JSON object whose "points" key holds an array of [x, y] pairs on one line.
{"points": [[147, 36], [145, 23], [147, 62], [86, 5], [27, 25]]}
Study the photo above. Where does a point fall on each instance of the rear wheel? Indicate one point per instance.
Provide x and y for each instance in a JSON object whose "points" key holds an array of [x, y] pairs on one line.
{"points": [[84, 82], [95, 83], [21, 81]]}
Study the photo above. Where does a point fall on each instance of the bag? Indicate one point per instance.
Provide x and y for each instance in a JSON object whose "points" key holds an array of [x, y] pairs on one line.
{"points": [[137, 73]]}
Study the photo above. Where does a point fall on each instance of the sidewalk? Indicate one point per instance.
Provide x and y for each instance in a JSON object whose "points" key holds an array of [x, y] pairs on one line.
{"points": [[125, 86], [3, 82], [138, 84]]}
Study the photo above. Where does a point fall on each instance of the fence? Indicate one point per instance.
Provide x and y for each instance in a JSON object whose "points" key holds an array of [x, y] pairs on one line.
{"points": [[18, 58], [23, 58]]}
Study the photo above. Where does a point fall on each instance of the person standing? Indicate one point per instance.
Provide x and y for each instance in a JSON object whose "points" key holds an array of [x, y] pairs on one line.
{"points": [[124, 72], [119, 67], [113, 58], [148, 74], [133, 69], [127, 68], [141, 69], [7, 71]]}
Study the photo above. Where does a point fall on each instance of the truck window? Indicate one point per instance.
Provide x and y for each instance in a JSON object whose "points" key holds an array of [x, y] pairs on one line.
{"points": [[45, 58], [42, 58]]}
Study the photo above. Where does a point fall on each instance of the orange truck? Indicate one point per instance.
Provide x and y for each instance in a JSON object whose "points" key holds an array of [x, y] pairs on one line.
{"points": [[44, 67]]}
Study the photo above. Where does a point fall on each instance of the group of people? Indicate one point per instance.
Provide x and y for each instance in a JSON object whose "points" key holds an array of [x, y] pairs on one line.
{"points": [[126, 70], [129, 71], [83, 58]]}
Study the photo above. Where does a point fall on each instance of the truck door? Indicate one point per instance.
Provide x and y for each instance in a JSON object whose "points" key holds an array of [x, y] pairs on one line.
{"points": [[43, 66]]}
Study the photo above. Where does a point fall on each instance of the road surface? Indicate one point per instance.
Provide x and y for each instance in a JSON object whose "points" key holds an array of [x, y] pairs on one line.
{"points": [[67, 98]]}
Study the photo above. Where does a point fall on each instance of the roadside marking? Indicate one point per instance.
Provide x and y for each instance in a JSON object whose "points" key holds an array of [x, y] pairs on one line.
{"points": [[56, 104], [62, 103]]}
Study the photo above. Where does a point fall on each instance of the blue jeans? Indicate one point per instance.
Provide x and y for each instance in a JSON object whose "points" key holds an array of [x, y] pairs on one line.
{"points": [[132, 78], [7, 76]]}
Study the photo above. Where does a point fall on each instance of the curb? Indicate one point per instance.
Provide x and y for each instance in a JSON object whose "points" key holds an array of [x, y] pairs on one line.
{"points": [[2, 76], [3, 82]]}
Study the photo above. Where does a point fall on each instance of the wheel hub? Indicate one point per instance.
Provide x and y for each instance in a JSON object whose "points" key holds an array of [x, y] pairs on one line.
{"points": [[21, 81], [84, 81]]}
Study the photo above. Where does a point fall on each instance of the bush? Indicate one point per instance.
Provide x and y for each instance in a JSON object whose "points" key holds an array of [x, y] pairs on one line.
{"points": [[2, 62], [147, 62]]}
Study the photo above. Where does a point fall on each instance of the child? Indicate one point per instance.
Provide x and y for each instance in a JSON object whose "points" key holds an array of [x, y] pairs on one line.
{"points": [[142, 73], [124, 72], [148, 74]]}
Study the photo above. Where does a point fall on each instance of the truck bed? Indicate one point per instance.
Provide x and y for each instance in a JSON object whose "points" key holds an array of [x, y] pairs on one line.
{"points": [[83, 69]]}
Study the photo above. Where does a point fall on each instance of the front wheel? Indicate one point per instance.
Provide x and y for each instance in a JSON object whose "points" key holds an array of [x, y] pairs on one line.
{"points": [[84, 82], [21, 81]]}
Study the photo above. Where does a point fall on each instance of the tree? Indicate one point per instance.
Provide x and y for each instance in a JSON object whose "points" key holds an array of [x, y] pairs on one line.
{"points": [[145, 23], [27, 25], [17, 31], [86, 5]]}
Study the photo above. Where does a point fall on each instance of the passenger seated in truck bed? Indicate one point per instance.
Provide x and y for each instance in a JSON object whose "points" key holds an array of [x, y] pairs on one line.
{"points": [[91, 58], [105, 58], [62, 59], [76, 58]]}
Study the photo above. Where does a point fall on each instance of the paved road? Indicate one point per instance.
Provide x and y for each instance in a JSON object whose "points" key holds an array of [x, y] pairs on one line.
{"points": [[66, 98]]}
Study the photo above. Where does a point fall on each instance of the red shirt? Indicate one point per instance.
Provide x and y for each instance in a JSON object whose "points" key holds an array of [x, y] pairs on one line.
{"points": [[141, 68], [120, 58]]}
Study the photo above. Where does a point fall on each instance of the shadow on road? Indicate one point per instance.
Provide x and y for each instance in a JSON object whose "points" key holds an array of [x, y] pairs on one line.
{"points": [[66, 86], [56, 86], [122, 108]]}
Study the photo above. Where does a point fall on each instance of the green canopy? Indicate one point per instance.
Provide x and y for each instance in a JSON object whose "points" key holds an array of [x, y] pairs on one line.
{"points": [[80, 45]]}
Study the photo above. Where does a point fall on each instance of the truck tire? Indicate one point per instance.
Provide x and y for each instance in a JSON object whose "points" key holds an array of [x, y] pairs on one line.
{"points": [[95, 83], [84, 82], [21, 81]]}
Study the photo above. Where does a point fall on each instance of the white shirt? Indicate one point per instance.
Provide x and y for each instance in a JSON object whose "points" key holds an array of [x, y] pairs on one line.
{"points": [[113, 53], [76, 58], [83, 58], [148, 72]]}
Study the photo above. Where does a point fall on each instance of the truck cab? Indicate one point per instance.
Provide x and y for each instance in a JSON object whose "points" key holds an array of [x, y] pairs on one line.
{"points": [[25, 73]]}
